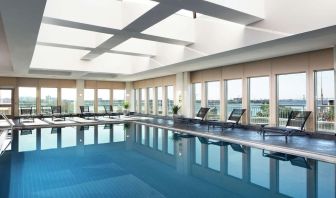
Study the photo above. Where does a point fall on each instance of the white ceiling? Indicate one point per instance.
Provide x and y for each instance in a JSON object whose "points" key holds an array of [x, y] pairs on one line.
{"points": [[134, 39]]}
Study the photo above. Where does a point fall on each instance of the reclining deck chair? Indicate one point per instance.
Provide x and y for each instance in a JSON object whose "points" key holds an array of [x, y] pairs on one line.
{"points": [[231, 122], [295, 123], [85, 112], [26, 114], [109, 111], [199, 118], [56, 113]]}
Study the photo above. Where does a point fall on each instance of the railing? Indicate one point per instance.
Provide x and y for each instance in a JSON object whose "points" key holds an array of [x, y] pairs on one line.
{"points": [[3, 137]]}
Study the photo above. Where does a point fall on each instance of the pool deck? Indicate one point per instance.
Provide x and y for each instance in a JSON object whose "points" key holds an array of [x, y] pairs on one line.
{"points": [[302, 145], [309, 146]]}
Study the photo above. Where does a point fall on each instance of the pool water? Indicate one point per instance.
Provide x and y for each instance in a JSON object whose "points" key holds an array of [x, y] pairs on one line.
{"points": [[128, 160]]}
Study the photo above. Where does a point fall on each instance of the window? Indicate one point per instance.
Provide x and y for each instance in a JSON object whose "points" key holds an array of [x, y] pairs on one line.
{"points": [[48, 98], [103, 99], [143, 101], [68, 96], [159, 105], [89, 98], [291, 95], [213, 99], [259, 100], [325, 101], [234, 95], [197, 97], [6, 101], [27, 98], [150, 100], [118, 100], [170, 99]]}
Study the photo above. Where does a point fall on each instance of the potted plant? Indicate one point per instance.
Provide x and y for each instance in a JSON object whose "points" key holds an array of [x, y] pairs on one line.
{"points": [[175, 110], [126, 106]]}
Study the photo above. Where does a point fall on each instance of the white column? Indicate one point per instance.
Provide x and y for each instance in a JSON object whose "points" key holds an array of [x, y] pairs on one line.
{"points": [[183, 93], [130, 96], [80, 94]]}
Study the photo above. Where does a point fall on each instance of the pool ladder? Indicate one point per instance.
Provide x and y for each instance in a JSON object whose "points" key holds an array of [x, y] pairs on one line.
{"points": [[5, 133]]}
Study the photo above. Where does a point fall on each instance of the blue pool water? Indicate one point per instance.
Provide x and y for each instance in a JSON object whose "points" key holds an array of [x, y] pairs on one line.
{"points": [[140, 161]]}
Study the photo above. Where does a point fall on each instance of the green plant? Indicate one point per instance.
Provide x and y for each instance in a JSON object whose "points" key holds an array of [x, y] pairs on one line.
{"points": [[175, 109], [126, 105]]}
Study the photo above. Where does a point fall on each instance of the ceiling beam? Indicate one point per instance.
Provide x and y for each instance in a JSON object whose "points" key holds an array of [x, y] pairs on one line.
{"points": [[106, 30], [90, 48], [213, 10], [150, 18]]}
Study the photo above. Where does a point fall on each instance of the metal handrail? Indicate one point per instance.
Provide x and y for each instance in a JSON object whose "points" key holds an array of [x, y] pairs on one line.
{"points": [[10, 128]]}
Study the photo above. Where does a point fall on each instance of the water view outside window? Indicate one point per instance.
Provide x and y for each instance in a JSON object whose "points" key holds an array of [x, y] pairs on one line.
{"points": [[197, 97], [325, 101], [68, 97], [89, 99], [150, 100], [143, 101], [170, 99], [159, 105], [234, 95], [213, 99], [103, 99], [27, 98], [6, 101], [259, 100], [48, 99], [118, 99], [291, 95]]}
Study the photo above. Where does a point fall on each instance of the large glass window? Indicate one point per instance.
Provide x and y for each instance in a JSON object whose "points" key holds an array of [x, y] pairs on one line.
{"points": [[291, 95], [68, 96], [103, 99], [6, 101], [259, 100], [89, 98], [159, 105], [27, 98], [150, 100], [170, 100], [234, 95], [48, 98], [213, 99], [197, 97], [143, 101], [118, 99], [325, 101]]}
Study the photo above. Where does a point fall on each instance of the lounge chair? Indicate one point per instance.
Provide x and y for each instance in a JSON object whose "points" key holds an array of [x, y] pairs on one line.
{"points": [[231, 122], [199, 118], [109, 111], [295, 123], [26, 114], [56, 113], [85, 112]]}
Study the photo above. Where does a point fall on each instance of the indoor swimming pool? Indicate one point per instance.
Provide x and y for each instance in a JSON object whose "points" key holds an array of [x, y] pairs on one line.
{"points": [[132, 160]]}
